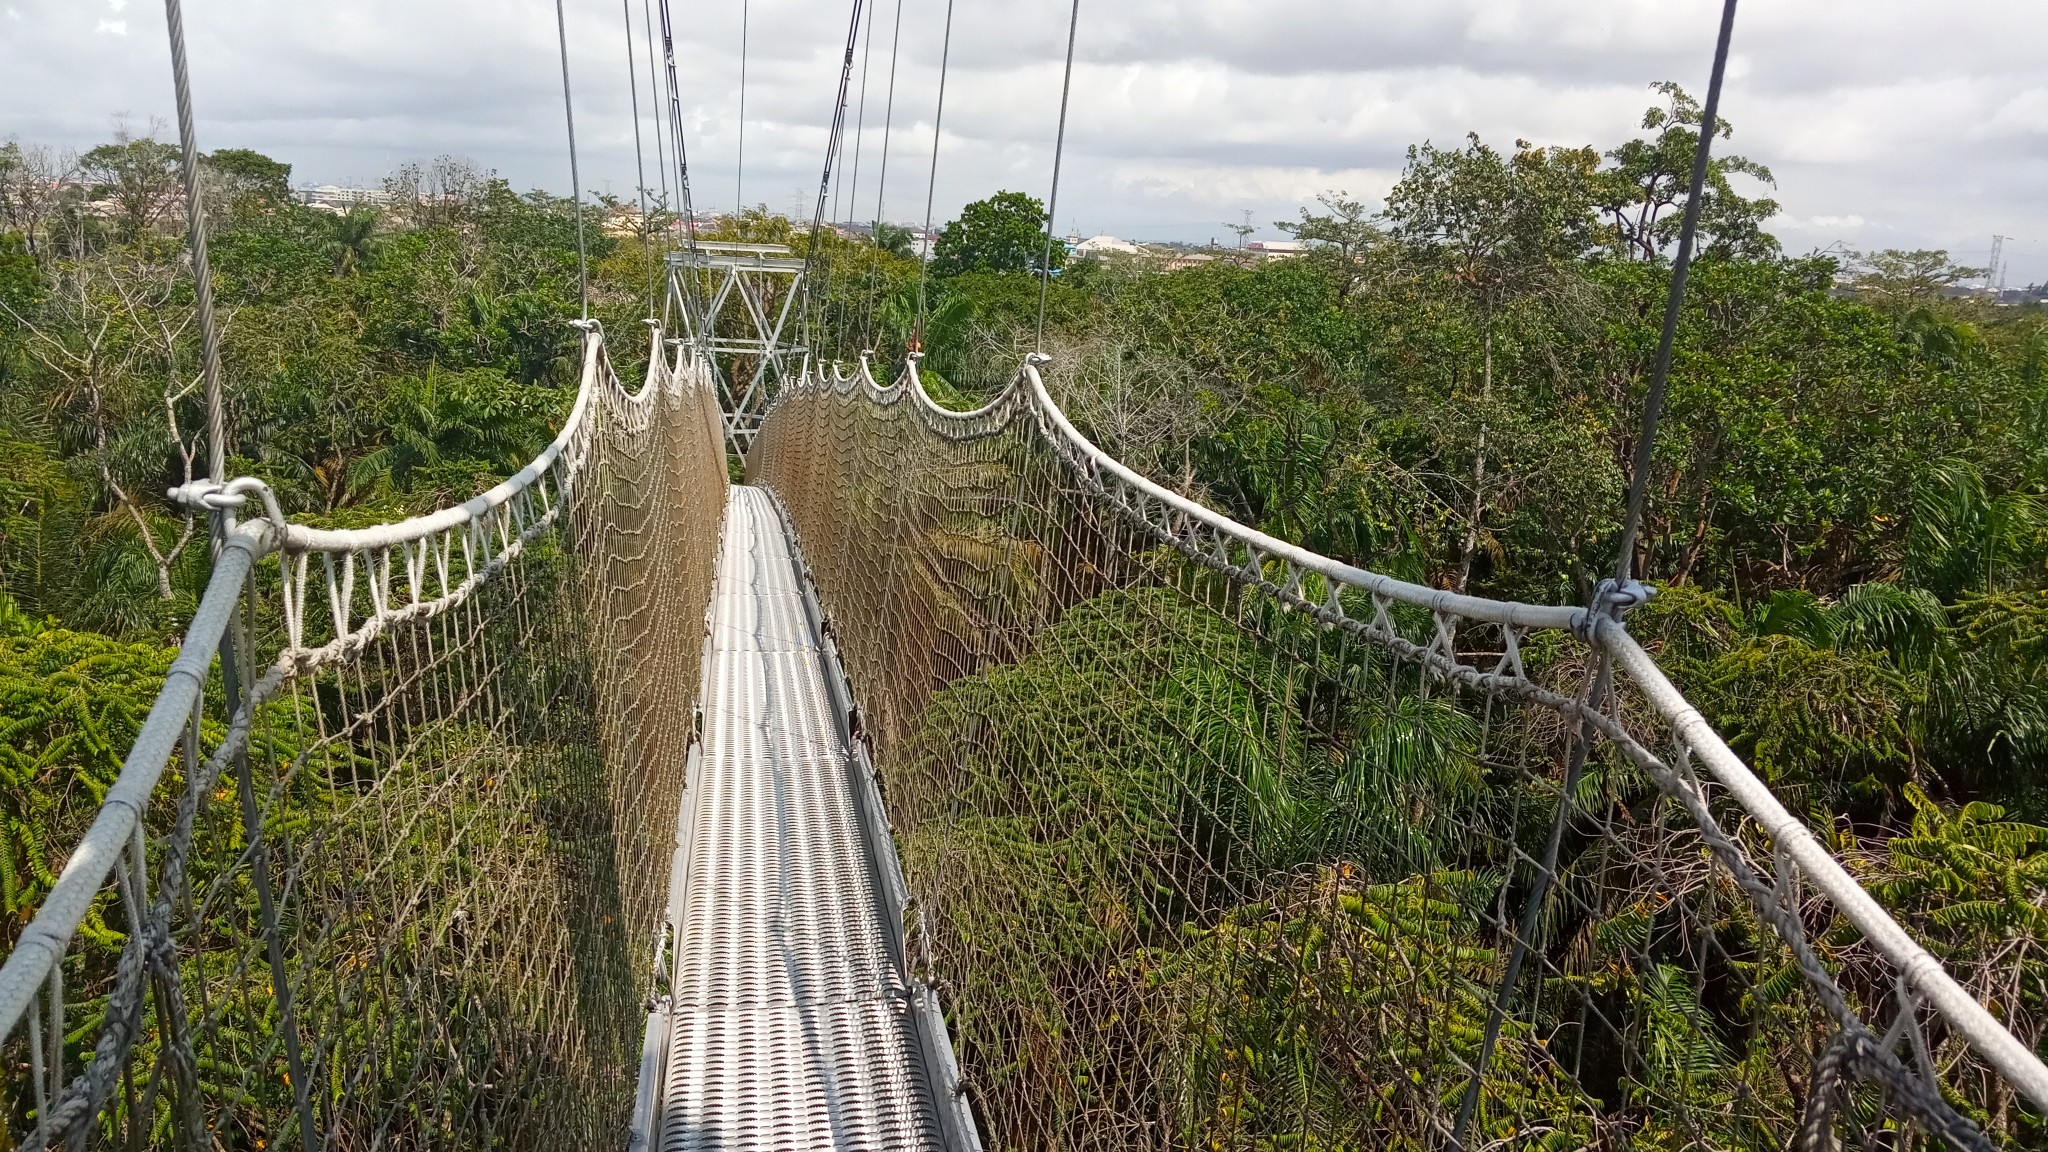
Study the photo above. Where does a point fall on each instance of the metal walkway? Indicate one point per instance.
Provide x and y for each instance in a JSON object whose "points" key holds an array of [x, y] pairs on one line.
{"points": [[791, 1025]]}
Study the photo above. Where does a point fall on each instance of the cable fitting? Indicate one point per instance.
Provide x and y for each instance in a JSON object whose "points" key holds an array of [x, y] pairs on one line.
{"points": [[1621, 599], [209, 495]]}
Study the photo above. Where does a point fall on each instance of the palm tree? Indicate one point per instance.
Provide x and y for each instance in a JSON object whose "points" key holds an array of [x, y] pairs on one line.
{"points": [[894, 240], [352, 240]]}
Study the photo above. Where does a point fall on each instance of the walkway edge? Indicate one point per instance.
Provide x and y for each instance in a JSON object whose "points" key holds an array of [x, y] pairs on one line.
{"points": [[949, 1089]]}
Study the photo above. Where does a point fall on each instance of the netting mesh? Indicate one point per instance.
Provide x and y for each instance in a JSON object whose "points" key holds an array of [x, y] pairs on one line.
{"points": [[464, 754], [1214, 844]]}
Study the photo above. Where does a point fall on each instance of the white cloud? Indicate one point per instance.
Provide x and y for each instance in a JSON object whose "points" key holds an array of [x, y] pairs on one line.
{"points": [[1186, 112]]}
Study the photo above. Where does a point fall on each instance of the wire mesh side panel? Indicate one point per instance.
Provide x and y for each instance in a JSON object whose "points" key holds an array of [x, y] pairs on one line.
{"points": [[404, 895], [1210, 851]]}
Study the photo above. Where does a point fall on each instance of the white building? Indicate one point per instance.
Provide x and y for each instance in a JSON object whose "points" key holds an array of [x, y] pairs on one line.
{"points": [[335, 196], [1106, 245]]}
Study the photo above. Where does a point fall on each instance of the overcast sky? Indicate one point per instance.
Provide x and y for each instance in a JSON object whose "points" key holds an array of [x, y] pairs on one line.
{"points": [[1888, 123]]}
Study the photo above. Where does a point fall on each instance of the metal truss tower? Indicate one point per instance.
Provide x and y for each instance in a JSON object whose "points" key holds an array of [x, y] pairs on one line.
{"points": [[737, 302]]}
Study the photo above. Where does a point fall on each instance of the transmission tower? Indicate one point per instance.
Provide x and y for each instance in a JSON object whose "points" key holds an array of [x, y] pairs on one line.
{"points": [[1994, 274]]}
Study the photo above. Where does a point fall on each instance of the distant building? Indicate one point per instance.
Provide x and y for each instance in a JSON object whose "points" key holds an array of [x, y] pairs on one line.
{"points": [[1276, 249], [1106, 245], [334, 198], [1175, 259]]}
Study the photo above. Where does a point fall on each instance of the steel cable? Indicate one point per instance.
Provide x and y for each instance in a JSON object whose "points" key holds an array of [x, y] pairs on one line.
{"points": [[1052, 204], [926, 247], [575, 176]]}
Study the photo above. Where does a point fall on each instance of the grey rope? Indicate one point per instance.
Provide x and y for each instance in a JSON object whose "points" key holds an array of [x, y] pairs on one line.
{"points": [[1052, 205], [202, 267], [924, 262], [575, 177], [1681, 267], [639, 157]]}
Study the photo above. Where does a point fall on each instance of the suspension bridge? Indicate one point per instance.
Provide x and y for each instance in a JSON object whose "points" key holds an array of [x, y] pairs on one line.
{"points": [[948, 784]]}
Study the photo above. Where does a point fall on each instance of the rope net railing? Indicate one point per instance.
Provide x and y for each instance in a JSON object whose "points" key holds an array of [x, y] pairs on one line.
{"points": [[1216, 843], [386, 865]]}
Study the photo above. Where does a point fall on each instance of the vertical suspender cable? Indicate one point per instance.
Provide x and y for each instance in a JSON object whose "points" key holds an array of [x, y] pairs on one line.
{"points": [[654, 94], [832, 138], [675, 124], [1053, 202], [860, 119], [202, 267], [1598, 687], [739, 179], [575, 177], [931, 184], [1681, 267], [882, 179], [888, 120], [688, 281], [639, 156], [231, 667], [660, 150]]}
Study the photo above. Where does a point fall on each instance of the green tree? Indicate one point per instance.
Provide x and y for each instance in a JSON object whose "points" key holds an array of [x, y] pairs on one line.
{"points": [[1004, 233], [140, 175], [1896, 281], [1643, 194]]}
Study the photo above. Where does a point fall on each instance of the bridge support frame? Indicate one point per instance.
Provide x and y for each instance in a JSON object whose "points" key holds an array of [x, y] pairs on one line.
{"points": [[737, 302]]}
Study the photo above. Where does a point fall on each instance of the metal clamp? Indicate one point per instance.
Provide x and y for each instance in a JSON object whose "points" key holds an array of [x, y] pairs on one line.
{"points": [[210, 495]]}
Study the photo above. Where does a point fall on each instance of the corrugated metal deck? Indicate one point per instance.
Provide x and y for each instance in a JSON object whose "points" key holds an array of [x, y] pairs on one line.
{"points": [[791, 1026]]}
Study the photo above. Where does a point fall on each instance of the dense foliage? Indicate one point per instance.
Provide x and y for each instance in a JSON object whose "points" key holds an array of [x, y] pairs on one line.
{"points": [[1848, 518], [1846, 522]]}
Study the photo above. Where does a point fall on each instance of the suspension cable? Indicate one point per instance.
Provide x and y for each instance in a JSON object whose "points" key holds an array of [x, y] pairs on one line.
{"points": [[924, 262], [682, 162], [202, 267], [739, 179], [1681, 267], [852, 186], [1053, 202], [639, 157], [575, 177], [888, 119], [882, 184], [654, 91], [660, 152], [860, 120], [832, 139], [675, 124]]}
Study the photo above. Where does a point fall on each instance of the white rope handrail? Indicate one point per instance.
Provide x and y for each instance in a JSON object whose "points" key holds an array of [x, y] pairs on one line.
{"points": [[48, 936], [1155, 505]]}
